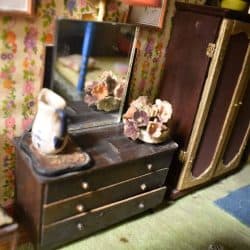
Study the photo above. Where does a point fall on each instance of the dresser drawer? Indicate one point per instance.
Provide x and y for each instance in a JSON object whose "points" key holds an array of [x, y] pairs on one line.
{"points": [[93, 179], [78, 204], [87, 223]]}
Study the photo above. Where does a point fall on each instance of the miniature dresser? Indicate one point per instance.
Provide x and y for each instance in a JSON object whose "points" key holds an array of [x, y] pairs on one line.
{"points": [[125, 178]]}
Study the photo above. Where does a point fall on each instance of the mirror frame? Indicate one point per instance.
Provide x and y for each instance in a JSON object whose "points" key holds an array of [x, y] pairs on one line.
{"points": [[79, 126]]}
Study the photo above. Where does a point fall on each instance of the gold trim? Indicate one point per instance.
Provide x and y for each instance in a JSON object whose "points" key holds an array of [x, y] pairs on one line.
{"points": [[239, 27], [186, 179], [233, 110], [210, 50], [182, 156], [234, 163]]}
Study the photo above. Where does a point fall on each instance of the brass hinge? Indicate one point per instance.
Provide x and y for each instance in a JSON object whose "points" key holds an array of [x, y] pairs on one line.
{"points": [[182, 156], [210, 50]]}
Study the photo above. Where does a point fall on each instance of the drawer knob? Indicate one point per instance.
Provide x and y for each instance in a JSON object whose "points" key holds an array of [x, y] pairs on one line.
{"points": [[143, 186], [80, 226], [79, 208], [85, 185], [149, 166], [141, 205]]}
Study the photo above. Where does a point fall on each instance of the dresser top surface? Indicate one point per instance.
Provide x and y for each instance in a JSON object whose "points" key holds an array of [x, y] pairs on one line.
{"points": [[107, 146]]}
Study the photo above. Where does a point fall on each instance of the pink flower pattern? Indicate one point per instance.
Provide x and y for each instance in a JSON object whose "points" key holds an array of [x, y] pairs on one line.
{"points": [[10, 122], [26, 123], [28, 88]]}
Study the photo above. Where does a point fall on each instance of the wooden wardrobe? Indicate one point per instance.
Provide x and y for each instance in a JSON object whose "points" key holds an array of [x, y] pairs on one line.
{"points": [[206, 78]]}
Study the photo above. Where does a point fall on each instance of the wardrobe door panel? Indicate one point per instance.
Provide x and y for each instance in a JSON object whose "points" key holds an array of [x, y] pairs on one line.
{"points": [[238, 138], [227, 81], [187, 179], [215, 115], [186, 68], [240, 129]]}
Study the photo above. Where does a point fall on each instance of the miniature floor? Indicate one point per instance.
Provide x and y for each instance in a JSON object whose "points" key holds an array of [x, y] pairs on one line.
{"points": [[192, 222]]}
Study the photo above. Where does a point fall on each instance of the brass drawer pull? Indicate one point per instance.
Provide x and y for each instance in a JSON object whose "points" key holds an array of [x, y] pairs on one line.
{"points": [[238, 104], [143, 186], [141, 205], [149, 166], [85, 185], [79, 208], [80, 226]]}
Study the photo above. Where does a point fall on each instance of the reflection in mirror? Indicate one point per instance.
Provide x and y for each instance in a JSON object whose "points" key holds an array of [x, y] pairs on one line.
{"points": [[91, 69]]}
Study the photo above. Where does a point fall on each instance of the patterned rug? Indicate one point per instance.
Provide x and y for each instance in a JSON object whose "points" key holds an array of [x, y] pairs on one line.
{"points": [[237, 203]]}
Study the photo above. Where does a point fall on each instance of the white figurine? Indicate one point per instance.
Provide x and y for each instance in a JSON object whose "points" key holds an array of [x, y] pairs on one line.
{"points": [[49, 130]]}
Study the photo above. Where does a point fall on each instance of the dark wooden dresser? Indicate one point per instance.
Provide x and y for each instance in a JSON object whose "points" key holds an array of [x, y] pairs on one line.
{"points": [[125, 179]]}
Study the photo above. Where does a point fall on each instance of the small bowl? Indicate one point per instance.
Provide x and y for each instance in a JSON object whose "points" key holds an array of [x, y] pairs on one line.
{"points": [[146, 137]]}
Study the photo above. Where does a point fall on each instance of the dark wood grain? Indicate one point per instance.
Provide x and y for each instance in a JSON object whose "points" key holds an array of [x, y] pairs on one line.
{"points": [[214, 11], [226, 84], [120, 167], [67, 230], [240, 127], [29, 196], [186, 68], [8, 236], [104, 177], [115, 158], [184, 75], [67, 208]]}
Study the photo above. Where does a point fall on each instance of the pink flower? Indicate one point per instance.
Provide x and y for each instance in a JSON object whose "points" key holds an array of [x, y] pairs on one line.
{"points": [[154, 129], [164, 109], [28, 88], [31, 38], [131, 130], [10, 122], [82, 3], [3, 75], [26, 123], [10, 134], [112, 6]]}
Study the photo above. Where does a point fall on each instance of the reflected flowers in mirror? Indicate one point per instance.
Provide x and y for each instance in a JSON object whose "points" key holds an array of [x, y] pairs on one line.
{"points": [[105, 93]]}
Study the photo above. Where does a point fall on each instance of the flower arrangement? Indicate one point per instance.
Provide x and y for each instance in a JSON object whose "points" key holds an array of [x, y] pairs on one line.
{"points": [[106, 93], [146, 121]]}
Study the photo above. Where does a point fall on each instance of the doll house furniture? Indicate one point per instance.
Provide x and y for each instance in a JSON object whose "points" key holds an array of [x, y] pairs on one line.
{"points": [[8, 230], [124, 177], [207, 80]]}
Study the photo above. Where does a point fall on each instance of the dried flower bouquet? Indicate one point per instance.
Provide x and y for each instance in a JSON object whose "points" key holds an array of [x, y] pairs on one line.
{"points": [[146, 121], [106, 93]]}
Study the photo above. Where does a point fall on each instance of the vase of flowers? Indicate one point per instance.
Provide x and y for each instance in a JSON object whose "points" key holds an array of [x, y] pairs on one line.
{"points": [[146, 121]]}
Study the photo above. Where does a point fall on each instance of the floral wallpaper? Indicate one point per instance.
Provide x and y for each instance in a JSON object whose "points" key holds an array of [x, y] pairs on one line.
{"points": [[22, 43], [22, 50]]}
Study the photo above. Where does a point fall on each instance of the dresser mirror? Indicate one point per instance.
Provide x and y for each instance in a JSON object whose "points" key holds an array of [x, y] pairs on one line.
{"points": [[92, 63]]}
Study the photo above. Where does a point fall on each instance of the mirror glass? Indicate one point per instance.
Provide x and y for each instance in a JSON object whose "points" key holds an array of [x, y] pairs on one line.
{"points": [[92, 63]]}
